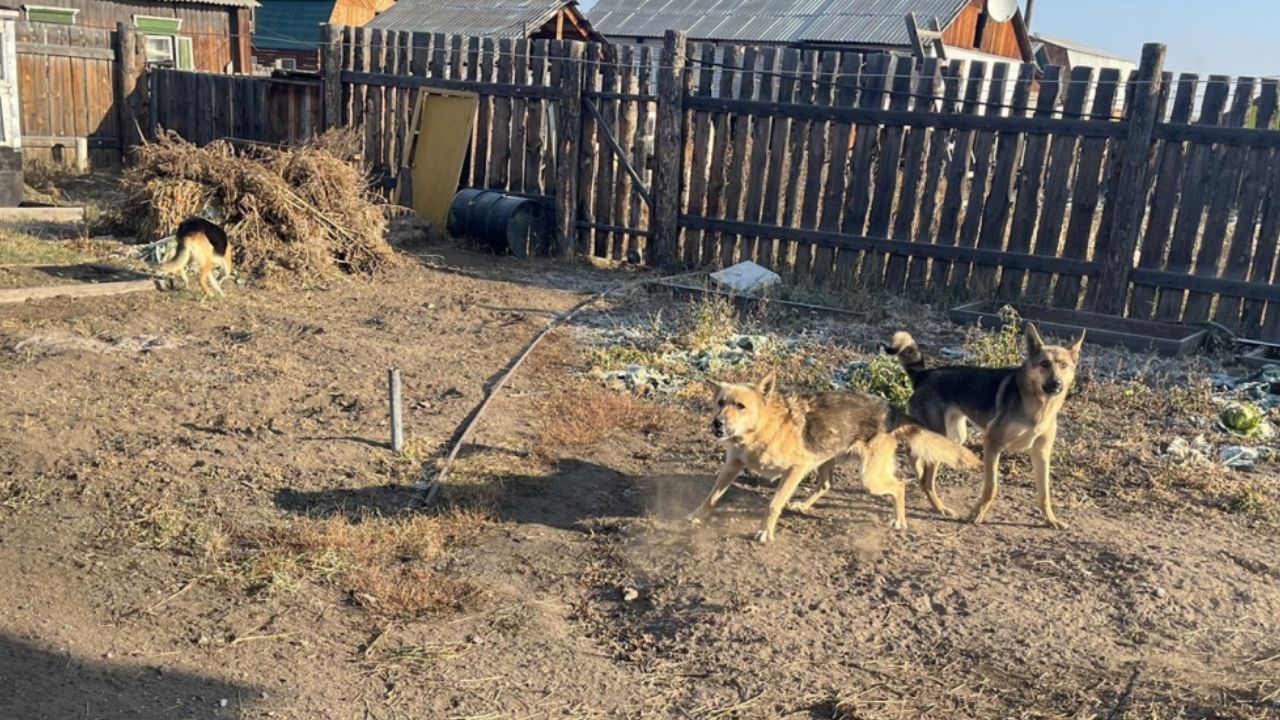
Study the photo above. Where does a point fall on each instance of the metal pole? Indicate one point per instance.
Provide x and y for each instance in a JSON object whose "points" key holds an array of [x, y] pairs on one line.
{"points": [[1031, 5], [397, 428]]}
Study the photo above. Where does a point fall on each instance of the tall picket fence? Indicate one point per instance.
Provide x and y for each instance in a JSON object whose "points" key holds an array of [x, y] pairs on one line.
{"points": [[1150, 196]]}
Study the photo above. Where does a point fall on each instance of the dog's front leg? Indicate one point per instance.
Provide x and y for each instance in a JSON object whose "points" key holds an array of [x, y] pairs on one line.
{"points": [[729, 472], [991, 481], [1040, 453], [825, 476], [786, 489]]}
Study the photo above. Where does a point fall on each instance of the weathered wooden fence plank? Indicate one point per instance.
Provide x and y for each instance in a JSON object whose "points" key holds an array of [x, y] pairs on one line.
{"points": [[866, 140], [983, 146], [775, 182], [626, 114], [1085, 191], [957, 181], [913, 169], [846, 93], [1000, 199], [1030, 180], [1229, 165], [1195, 193], [816, 158], [939, 147]]}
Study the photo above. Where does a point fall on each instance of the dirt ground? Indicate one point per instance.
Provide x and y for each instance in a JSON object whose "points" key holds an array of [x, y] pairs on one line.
{"points": [[200, 518]]}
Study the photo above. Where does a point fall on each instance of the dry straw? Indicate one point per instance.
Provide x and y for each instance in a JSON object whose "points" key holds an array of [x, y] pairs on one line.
{"points": [[292, 214]]}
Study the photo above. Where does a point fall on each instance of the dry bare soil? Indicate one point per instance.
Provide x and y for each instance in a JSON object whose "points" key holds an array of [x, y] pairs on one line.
{"points": [[200, 519]]}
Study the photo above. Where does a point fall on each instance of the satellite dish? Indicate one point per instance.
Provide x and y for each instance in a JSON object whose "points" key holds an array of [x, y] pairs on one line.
{"points": [[1001, 10]]}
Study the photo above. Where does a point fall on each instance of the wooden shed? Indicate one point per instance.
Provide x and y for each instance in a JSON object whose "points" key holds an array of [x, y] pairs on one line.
{"points": [[286, 33], [863, 25], [533, 19]]}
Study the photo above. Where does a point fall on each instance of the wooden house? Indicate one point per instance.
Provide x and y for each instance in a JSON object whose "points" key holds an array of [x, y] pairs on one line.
{"points": [[208, 35]]}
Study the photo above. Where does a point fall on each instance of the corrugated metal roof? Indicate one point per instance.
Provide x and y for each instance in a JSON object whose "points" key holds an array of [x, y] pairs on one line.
{"points": [[865, 22], [290, 24], [497, 18], [1076, 46], [229, 3]]}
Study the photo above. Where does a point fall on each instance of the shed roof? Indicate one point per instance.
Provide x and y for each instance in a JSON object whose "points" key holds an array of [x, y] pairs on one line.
{"points": [[1075, 46], [229, 3], [496, 18], [865, 22], [290, 24]]}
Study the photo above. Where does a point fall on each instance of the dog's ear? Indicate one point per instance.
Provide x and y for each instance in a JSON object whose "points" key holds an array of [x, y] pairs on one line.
{"points": [[1076, 347], [767, 385], [715, 386], [1034, 342]]}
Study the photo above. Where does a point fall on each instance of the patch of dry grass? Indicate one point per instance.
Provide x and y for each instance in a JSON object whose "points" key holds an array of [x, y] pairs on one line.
{"points": [[383, 564], [19, 248], [585, 414]]}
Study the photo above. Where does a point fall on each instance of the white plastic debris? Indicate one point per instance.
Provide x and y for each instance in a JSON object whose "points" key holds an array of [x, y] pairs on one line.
{"points": [[1237, 456], [1196, 451], [747, 278]]}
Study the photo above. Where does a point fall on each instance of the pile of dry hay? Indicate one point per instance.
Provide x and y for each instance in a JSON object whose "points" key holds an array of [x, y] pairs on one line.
{"points": [[290, 213]]}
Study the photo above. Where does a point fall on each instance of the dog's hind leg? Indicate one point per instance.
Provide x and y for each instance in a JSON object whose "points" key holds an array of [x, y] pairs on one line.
{"points": [[728, 473], [1040, 454], [826, 474], [879, 477], [929, 483], [206, 271], [787, 488]]}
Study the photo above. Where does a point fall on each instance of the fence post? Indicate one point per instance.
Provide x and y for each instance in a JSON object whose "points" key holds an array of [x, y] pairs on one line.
{"points": [[1115, 253], [331, 70], [568, 142], [126, 86], [668, 151]]}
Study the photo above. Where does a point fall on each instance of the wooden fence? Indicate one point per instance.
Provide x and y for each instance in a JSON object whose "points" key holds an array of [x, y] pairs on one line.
{"points": [[70, 85], [1142, 196]]}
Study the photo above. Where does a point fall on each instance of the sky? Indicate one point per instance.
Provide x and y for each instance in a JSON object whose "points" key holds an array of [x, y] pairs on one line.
{"points": [[1225, 37]]}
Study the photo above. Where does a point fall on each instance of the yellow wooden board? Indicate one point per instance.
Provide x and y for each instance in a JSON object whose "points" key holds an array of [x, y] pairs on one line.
{"points": [[444, 134]]}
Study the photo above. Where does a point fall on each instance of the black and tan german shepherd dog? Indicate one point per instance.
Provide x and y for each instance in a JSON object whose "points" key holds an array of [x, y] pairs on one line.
{"points": [[1017, 408]]}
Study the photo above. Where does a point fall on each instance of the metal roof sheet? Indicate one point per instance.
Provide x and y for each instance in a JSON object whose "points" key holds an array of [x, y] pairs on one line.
{"points": [[867, 22], [497, 18], [228, 3], [290, 24]]}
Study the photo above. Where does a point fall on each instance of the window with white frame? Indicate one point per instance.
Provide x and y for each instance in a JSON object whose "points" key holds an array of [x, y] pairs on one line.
{"points": [[164, 46]]}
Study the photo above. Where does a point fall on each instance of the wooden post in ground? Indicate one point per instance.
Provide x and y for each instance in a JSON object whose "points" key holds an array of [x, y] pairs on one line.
{"points": [[331, 71], [126, 86], [668, 151], [397, 417], [1115, 252], [568, 144]]}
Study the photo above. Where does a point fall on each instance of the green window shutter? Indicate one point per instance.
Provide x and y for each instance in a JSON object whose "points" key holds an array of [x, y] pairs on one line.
{"points": [[157, 25], [186, 54], [55, 15]]}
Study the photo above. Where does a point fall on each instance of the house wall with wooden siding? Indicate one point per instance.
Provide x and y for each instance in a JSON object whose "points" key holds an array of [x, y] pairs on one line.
{"points": [[219, 33], [997, 38]]}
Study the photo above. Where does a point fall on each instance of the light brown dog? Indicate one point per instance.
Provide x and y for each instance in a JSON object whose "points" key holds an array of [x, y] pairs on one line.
{"points": [[790, 436], [1017, 407], [204, 245]]}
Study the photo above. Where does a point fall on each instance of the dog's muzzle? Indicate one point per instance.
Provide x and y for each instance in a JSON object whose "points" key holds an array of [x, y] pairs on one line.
{"points": [[718, 429], [1053, 387]]}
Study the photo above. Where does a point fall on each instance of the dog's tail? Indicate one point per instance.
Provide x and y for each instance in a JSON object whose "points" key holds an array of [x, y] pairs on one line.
{"points": [[926, 446], [904, 347], [179, 261]]}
